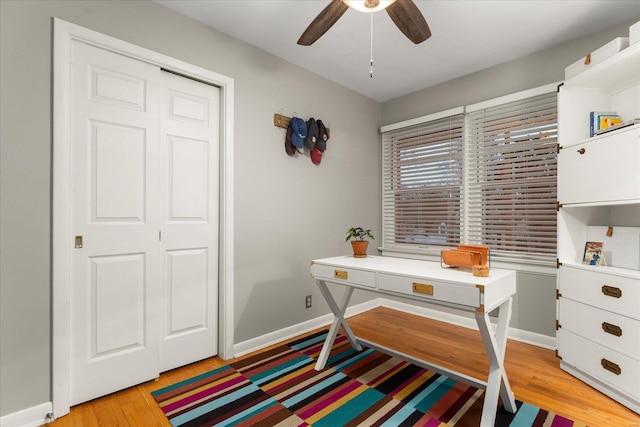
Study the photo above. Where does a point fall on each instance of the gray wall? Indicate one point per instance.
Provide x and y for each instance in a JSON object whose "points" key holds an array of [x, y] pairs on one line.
{"points": [[534, 306], [287, 210]]}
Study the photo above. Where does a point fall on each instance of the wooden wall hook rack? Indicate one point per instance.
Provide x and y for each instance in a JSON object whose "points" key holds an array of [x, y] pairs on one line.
{"points": [[283, 122]]}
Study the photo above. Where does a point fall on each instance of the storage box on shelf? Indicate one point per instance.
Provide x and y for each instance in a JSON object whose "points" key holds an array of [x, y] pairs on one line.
{"points": [[599, 186], [634, 33], [597, 56]]}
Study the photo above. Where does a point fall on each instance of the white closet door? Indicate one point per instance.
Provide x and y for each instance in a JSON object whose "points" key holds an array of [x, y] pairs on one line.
{"points": [[145, 183], [115, 275], [190, 168]]}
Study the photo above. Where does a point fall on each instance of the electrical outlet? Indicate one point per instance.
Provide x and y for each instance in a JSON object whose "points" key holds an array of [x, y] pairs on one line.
{"points": [[307, 301]]}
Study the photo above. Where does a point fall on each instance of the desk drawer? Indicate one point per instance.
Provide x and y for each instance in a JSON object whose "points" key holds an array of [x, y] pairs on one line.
{"points": [[607, 365], [609, 329], [607, 291], [344, 275], [430, 289]]}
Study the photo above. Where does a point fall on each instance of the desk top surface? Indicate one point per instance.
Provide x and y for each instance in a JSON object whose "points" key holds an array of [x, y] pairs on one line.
{"points": [[416, 268]]}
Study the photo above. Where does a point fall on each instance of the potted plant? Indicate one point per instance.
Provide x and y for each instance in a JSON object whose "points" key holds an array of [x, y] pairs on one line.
{"points": [[359, 242]]}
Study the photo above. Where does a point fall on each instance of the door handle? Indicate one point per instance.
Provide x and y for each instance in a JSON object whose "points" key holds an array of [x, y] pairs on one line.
{"points": [[582, 151]]}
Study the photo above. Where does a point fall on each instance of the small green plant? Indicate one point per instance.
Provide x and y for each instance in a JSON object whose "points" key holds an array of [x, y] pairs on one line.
{"points": [[359, 233]]}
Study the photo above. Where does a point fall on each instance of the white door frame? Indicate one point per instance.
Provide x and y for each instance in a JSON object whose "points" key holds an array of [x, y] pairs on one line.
{"points": [[62, 239]]}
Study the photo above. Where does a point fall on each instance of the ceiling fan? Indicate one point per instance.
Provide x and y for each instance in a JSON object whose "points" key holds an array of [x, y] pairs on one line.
{"points": [[404, 13]]}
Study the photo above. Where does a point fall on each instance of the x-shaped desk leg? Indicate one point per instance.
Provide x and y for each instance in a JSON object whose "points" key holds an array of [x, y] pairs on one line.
{"points": [[338, 320], [497, 382]]}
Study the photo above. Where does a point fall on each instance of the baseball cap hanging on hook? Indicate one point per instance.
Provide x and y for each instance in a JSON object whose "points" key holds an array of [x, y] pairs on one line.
{"points": [[298, 132], [288, 145], [321, 144], [312, 134]]}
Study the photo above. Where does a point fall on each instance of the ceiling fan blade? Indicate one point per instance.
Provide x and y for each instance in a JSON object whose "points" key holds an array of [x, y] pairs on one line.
{"points": [[323, 22], [408, 18]]}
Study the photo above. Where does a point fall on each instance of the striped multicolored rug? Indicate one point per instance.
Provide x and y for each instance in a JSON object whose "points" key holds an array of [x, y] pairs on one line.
{"points": [[367, 388]]}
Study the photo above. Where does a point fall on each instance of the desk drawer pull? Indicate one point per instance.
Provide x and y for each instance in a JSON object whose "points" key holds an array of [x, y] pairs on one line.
{"points": [[612, 329], [422, 288], [341, 274], [610, 366], [612, 291]]}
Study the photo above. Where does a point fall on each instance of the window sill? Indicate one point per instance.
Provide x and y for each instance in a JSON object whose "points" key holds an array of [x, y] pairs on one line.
{"points": [[510, 263]]}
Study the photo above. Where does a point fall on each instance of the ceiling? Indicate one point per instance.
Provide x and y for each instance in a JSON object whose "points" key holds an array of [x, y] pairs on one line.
{"points": [[468, 36]]}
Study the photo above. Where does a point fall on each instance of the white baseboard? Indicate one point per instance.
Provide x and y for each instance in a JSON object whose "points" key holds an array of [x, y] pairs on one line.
{"points": [[275, 337], [30, 417], [280, 335]]}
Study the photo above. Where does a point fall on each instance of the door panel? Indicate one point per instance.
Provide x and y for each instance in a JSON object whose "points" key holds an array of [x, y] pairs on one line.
{"points": [[117, 172], [117, 286], [190, 138], [189, 179], [116, 271], [116, 88], [189, 107], [187, 282]]}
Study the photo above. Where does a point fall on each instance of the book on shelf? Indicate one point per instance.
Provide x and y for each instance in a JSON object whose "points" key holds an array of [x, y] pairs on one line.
{"points": [[618, 126], [600, 120], [592, 253]]}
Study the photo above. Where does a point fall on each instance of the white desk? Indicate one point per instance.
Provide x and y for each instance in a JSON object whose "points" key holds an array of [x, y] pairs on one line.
{"points": [[428, 282]]}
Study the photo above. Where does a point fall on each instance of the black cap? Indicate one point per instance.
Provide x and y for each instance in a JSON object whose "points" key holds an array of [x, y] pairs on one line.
{"points": [[312, 134], [323, 135]]}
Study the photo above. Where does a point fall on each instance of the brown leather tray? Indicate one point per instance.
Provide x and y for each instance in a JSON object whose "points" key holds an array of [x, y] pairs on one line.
{"points": [[460, 258], [484, 252]]}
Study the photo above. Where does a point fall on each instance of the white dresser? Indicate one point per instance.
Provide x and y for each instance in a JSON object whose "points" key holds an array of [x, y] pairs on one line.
{"points": [[598, 322]]}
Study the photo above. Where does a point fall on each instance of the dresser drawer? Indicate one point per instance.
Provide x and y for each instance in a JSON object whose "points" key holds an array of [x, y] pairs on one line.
{"points": [[607, 365], [430, 290], [612, 330], [610, 292], [344, 275]]}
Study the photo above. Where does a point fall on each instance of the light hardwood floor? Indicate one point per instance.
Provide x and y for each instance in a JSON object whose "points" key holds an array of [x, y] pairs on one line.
{"points": [[533, 372]]}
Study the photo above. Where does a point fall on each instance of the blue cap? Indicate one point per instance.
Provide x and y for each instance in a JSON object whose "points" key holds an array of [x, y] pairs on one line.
{"points": [[298, 131]]}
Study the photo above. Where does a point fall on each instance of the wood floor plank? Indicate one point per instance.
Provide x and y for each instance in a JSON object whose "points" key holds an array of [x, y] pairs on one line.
{"points": [[533, 372]]}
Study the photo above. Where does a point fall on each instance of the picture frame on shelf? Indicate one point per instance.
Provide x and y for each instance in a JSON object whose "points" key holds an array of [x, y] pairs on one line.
{"points": [[593, 254]]}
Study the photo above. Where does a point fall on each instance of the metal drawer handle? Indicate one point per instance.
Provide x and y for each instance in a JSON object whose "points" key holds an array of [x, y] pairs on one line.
{"points": [[581, 151], [611, 291], [421, 288], [340, 274], [612, 329], [610, 366]]}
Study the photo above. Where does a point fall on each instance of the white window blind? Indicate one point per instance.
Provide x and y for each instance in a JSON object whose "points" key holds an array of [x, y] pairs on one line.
{"points": [[422, 184], [511, 176]]}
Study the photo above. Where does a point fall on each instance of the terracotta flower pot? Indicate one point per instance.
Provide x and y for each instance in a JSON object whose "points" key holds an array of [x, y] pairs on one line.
{"points": [[360, 248]]}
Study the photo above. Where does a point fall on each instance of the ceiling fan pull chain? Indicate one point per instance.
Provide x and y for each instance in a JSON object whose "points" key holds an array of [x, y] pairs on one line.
{"points": [[371, 70]]}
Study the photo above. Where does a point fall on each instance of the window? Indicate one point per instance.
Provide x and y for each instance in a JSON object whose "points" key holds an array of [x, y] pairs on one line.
{"points": [[511, 175], [486, 177], [422, 183]]}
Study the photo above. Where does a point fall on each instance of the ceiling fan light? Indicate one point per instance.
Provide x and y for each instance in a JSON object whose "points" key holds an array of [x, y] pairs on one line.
{"points": [[368, 5]]}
